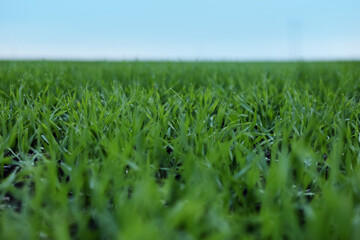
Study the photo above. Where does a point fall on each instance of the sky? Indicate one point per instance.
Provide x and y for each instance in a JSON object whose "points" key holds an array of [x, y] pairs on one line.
{"points": [[180, 30]]}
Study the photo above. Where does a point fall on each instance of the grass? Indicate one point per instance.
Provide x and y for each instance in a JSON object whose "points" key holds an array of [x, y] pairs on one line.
{"points": [[143, 150]]}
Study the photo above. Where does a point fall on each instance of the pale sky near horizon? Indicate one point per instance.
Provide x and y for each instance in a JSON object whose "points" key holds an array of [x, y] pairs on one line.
{"points": [[180, 30]]}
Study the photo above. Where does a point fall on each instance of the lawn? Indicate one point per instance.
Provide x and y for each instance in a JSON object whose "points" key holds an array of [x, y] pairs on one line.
{"points": [[179, 150]]}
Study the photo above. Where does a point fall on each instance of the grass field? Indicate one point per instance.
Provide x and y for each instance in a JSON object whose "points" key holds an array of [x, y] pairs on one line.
{"points": [[145, 150]]}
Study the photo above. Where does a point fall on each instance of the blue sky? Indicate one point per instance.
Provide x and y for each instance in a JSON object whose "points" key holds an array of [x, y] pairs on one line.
{"points": [[180, 30]]}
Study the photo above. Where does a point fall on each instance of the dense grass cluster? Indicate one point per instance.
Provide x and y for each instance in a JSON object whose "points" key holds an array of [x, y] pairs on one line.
{"points": [[141, 150]]}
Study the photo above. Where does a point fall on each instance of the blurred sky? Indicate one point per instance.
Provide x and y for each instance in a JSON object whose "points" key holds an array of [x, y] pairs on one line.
{"points": [[180, 30]]}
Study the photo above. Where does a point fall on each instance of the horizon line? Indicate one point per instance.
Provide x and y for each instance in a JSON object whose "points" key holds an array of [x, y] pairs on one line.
{"points": [[179, 59]]}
